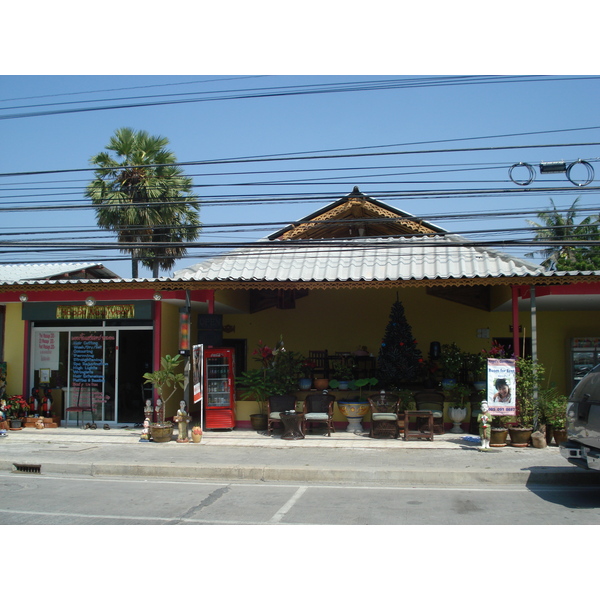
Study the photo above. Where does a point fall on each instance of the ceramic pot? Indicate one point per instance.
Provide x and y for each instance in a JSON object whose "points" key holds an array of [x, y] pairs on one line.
{"points": [[258, 422], [354, 411], [520, 436], [196, 438], [457, 415], [305, 383], [161, 433], [560, 436], [498, 437], [16, 423], [321, 384]]}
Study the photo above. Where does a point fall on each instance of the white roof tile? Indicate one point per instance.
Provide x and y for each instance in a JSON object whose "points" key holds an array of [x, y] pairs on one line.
{"points": [[361, 259]]}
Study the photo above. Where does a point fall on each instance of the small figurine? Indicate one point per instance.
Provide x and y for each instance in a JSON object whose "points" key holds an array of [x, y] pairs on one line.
{"points": [[39, 424], [145, 431], [485, 426], [47, 404], [148, 410], [34, 403], [182, 419], [159, 411]]}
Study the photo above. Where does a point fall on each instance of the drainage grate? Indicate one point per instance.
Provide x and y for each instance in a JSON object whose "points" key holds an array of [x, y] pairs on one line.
{"points": [[21, 468]]}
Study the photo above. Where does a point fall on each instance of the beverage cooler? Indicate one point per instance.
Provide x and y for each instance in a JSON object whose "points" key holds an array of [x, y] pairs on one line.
{"points": [[219, 388]]}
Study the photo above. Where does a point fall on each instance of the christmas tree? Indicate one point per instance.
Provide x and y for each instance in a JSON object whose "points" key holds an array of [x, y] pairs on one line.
{"points": [[399, 358]]}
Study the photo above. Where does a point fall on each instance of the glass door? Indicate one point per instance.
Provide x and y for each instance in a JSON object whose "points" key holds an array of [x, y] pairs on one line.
{"points": [[98, 369]]}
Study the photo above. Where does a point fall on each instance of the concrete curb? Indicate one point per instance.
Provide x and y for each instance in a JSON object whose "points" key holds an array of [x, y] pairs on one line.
{"points": [[363, 477]]}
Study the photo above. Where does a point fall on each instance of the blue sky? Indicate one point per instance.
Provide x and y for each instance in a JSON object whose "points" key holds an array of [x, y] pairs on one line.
{"points": [[402, 119]]}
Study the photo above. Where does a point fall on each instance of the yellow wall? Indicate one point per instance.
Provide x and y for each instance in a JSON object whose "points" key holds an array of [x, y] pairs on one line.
{"points": [[343, 320], [14, 337]]}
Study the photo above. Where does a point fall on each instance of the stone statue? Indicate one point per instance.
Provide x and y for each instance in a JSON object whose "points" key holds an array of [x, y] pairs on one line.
{"points": [[182, 419], [485, 426], [148, 410], [159, 411], [146, 429]]}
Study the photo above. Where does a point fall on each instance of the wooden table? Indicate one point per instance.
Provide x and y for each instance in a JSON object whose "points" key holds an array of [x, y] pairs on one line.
{"points": [[415, 433], [292, 424]]}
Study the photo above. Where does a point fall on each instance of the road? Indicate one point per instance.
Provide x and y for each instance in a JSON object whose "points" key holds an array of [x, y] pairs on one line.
{"points": [[53, 500]]}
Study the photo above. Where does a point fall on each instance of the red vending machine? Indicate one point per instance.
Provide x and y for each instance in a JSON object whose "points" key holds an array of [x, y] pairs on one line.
{"points": [[219, 388]]}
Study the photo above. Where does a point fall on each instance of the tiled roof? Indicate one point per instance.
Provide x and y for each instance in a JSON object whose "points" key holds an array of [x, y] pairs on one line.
{"points": [[27, 271], [361, 259]]}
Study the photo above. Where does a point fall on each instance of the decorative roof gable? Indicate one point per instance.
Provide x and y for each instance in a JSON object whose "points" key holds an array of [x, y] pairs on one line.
{"points": [[356, 215]]}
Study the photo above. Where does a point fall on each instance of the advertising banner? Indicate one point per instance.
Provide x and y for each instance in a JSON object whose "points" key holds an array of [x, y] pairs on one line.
{"points": [[198, 370], [501, 385]]}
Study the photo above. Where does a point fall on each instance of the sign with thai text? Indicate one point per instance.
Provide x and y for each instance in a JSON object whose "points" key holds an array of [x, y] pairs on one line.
{"points": [[104, 312], [46, 350]]}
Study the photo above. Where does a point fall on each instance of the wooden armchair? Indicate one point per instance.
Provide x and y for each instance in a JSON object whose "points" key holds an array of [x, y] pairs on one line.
{"points": [[433, 401], [384, 415], [318, 408], [275, 406]]}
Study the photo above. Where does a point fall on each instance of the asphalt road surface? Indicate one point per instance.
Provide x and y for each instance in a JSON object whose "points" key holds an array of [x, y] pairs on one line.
{"points": [[36, 499]]}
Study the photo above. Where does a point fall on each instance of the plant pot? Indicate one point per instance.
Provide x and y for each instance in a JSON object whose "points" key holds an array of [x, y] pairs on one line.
{"points": [[354, 411], [448, 383], [498, 437], [16, 423], [305, 383], [344, 385], [560, 436], [161, 433], [258, 422], [321, 384], [196, 438], [520, 436], [457, 415]]}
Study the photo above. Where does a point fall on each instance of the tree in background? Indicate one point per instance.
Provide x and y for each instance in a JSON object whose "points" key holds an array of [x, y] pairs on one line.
{"points": [[563, 229], [399, 359], [141, 194]]}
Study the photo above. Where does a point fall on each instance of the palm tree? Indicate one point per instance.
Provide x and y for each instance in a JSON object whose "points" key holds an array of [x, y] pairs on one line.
{"points": [[559, 229], [145, 198]]}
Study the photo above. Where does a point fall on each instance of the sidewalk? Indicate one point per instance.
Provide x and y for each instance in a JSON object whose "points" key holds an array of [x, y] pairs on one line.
{"points": [[451, 459]]}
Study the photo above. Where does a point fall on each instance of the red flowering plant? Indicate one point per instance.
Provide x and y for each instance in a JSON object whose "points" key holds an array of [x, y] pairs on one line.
{"points": [[15, 406]]}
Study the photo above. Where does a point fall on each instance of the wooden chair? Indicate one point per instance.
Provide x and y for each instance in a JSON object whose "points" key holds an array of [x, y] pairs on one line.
{"points": [[277, 405], [434, 401], [318, 408], [320, 358], [384, 415]]}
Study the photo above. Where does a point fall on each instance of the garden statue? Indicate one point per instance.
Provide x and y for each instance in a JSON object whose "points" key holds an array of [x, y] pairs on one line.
{"points": [[34, 403], [182, 419], [148, 410], [47, 404], [146, 429], [485, 426], [159, 411]]}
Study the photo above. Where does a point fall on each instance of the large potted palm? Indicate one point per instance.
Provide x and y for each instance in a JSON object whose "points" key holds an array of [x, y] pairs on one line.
{"points": [[529, 378], [162, 380]]}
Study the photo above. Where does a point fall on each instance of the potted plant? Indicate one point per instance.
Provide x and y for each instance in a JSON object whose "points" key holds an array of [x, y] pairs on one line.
{"points": [[342, 374], [355, 410], [529, 378], [499, 431], [307, 368], [458, 410], [278, 375], [162, 380], [255, 387], [451, 362], [553, 409]]}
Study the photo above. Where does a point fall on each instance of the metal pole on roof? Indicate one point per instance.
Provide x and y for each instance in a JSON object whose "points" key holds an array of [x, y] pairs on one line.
{"points": [[534, 353]]}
